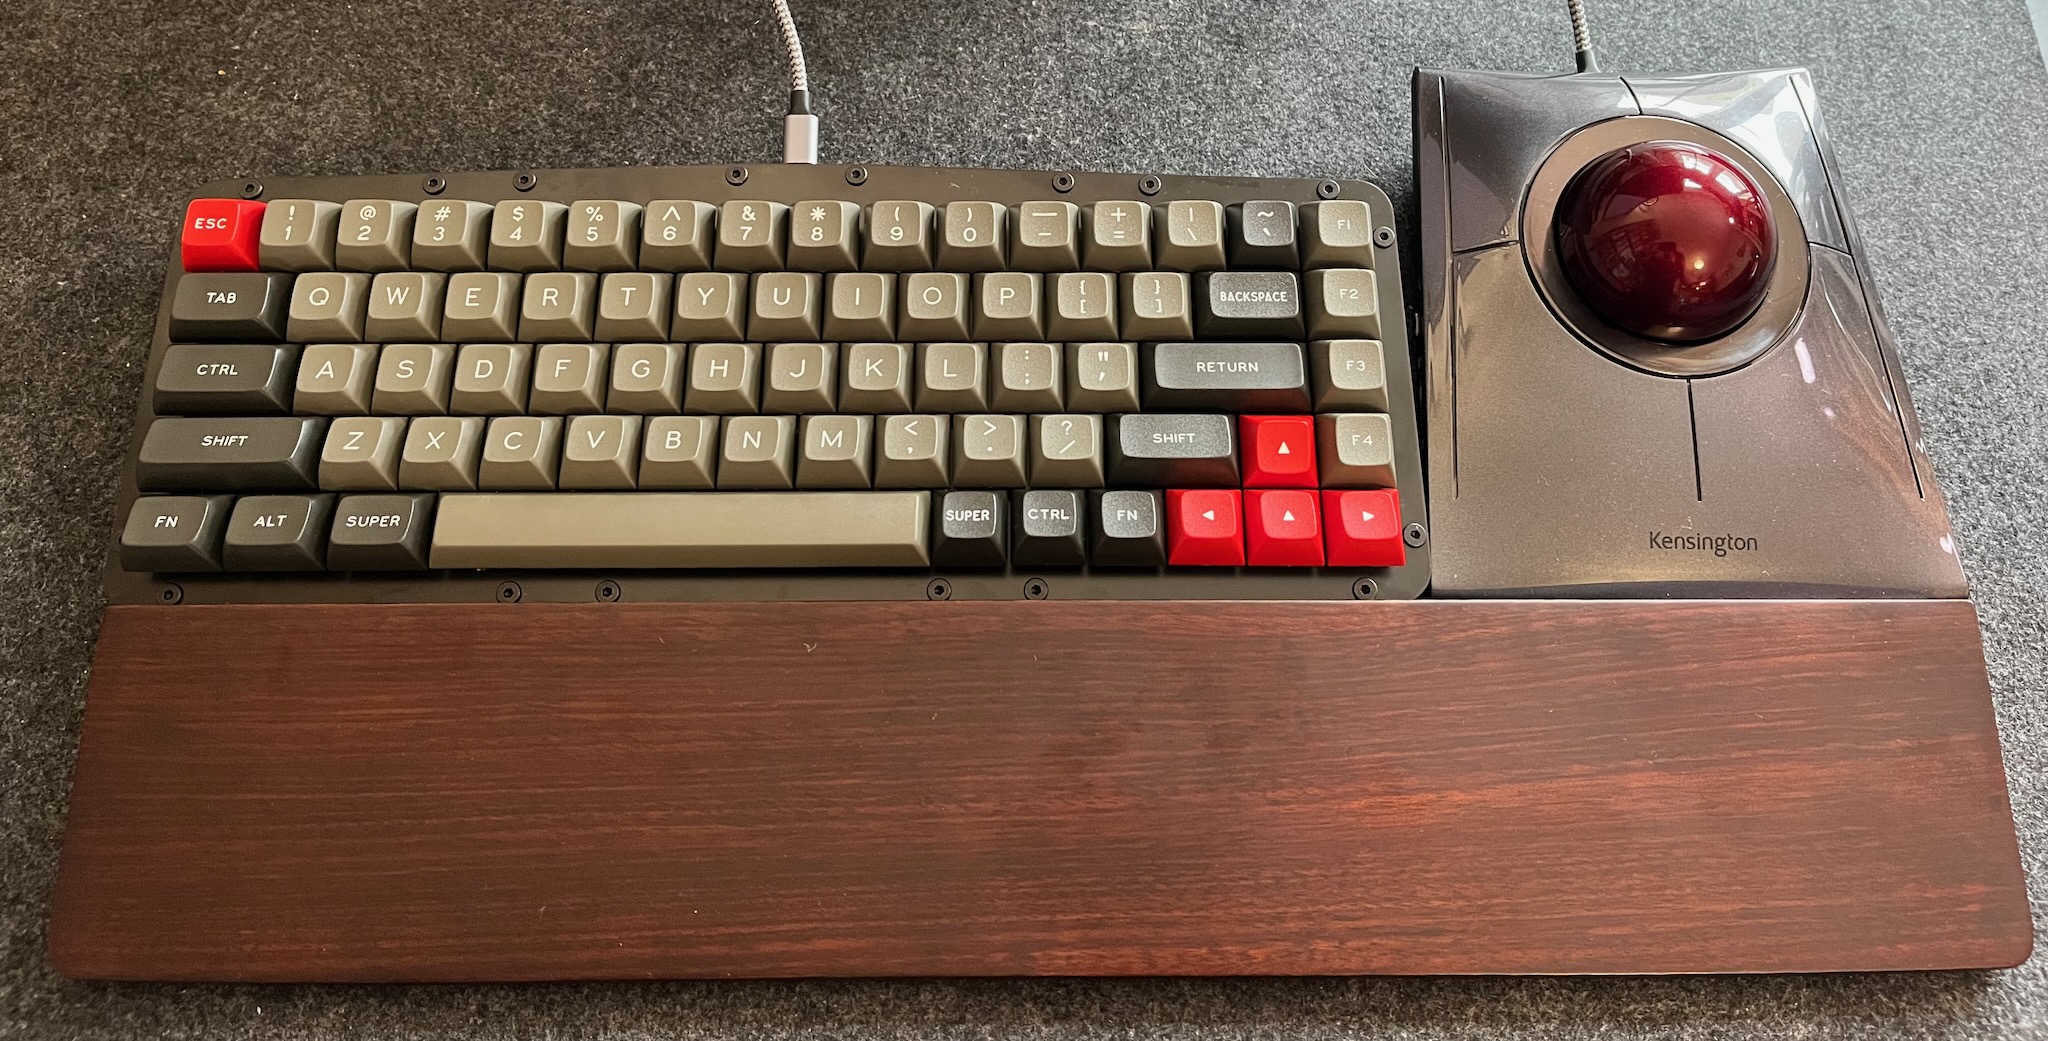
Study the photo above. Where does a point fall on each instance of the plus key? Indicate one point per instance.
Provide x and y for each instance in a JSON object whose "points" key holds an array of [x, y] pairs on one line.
{"points": [[221, 235]]}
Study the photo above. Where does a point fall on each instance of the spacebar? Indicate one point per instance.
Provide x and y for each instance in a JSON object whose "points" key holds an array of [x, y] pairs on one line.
{"points": [[682, 530]]}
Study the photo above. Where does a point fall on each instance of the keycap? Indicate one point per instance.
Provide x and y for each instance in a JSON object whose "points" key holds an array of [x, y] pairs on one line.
{"points": [[1343, 302], [725, 379], [441, 453], [1349, 375], [1262, 235], [646, 378], [1336, 233], [1279, 451], [1006, 306], [1066, 451], [380, 533], [1029, 377], [491, 379], [1191, 236], [835, 452], [683, 530], [328, 307], [216, 454], [233, 307], [526, 235], [915, 452], [1129, 529], [1363, 528], [1248, 303], [875, 378], [803, 378], [676, 235], [1204, 527], [1355, 450], [225, 379], [1281, 528], [1159, 450], [451, 235], [971, 529], [375, 235], [860, 306], [1102, 377], [568, 378], [335, 379], [520, 453], [1232, 377], [757, 452], [680, 452], [221, 235], [1156, 306], [972, 235], [558, 305], [1048, 530], [988, 451], [405, 305], [1046, 236], [824, 235], [899, 236], [1116, 236], [175, 533], [361, 454], [277, 533], [483, 306], [413, 379], [1082, 306], [600, 452], [787, 305], [603, 235], [710, 305], [633, 306], [298, 234], [932, 305], [751, 233], [952, 377]]}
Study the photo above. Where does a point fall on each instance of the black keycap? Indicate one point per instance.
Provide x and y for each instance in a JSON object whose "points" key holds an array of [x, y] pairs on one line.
{"points": [[175, 532], [1048, 530], [1128, 529], [972, 530], [278, 533], [1172, 450], [240, 306], [211, 379], [1249, 303], [269, 453], [1230, 377], [380, 533], [1262, 235]]}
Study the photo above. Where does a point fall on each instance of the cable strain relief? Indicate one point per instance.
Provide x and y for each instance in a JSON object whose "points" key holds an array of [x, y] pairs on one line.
{"points": [[1586, 61], [799, 102]]}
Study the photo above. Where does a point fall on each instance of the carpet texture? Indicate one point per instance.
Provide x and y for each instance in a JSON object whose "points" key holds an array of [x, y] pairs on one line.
{"points": [[114, 108]]}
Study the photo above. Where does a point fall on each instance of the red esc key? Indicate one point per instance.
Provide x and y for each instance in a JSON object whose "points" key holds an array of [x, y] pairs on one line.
{"points": [[1204, 526], [221, 234]]}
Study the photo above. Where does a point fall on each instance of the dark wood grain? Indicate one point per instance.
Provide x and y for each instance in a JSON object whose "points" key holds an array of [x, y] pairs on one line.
{"points": [[592, 791]]}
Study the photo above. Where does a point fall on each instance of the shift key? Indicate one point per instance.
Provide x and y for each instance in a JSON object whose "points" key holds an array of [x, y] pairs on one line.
{"points": [[271, 453]]}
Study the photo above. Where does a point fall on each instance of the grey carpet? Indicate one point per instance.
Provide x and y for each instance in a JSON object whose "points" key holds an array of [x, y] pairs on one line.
{"points": [[109, 110]]}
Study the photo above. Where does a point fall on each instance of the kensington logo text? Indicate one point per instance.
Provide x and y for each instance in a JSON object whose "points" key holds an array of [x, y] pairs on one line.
{"points": [[1718, 545]]}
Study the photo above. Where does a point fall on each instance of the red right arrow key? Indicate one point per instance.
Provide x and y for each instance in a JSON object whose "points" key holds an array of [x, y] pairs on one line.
{"points": [[1363, 528]]}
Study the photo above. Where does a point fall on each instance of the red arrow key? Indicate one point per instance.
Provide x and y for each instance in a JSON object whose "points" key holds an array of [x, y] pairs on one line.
{"points": [[1204, 526], [1279, 451], [221, 235], [1363, 528], [1281, 530]]}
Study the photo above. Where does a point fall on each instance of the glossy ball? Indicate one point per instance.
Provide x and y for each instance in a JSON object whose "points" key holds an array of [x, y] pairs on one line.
{"points": [[1667, 240]]}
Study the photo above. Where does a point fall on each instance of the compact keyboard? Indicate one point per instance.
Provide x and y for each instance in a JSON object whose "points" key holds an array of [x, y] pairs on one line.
{"points": [[778, 382]]}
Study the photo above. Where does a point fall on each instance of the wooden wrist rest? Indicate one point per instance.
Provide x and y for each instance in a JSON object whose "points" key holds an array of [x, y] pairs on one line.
{"points": [[528, 792]]}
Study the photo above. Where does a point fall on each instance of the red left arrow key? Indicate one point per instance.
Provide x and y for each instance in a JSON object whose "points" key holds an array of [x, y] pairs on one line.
{"points": [[221, 235]]}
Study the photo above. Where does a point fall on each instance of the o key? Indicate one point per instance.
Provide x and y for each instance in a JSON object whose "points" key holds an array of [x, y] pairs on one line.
{"points": [[1204, 526], [221, 235]]}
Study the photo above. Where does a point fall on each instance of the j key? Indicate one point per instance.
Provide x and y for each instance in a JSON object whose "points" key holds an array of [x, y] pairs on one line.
{"points": [[1129, 529], [380, 533], [971, 530], [274, 452], [1158, 450], [1229, 377], [1249, 303], [1204, 526], [1048, 531], [232, 307], [226, 379], [1262, 235], [175, 533], [278, 533]]}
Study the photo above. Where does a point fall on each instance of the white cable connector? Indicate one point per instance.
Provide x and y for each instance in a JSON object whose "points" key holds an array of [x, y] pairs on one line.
{"points": [[800, 138], [800, 127]]}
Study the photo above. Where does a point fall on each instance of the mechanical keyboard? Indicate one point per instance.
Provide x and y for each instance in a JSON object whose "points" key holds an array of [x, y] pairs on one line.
{"points": [[785, 383]]}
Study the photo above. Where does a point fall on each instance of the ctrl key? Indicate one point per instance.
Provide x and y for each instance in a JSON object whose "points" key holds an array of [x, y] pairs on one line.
{"points": [[380, 533], [278, 533], [175, 533]]}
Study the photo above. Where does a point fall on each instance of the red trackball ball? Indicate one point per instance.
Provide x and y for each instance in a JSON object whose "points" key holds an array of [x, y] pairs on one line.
{"points": [[1667, 240]]}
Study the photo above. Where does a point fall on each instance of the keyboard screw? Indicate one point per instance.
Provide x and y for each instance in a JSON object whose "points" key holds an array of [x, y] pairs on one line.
{"points": [[1383, 238], [1364, 589], [1036, 589], [609, 592], [1329, 189], [1414, 535], [172, 594], [736, 176], [938, 589], [436, 186], [509, 592], [1063, 183], [525, 182], [251, 189], [1149, 185], [857, 176]]}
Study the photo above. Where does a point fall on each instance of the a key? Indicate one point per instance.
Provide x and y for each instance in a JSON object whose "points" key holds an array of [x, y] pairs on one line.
{"points": [[1006, 306], [646, 378], [1168, 449], [375, 235], [491, 379], [677, 235], [482, 307], [824, 235], [803, 378], [1083, 307], [1336, 233], [568, 378], [558, 305], [875, 378], [521, 453], [277, 533], [1128, 530], [1343, 302], [451, 235], [526, 235], [1102, 377], [405, 305], [1279, 451], [751, 234], [225, 379], [834, 452], [361, 454], [1204, 527], [1228, 377], [1156, 306], [1066, 451], [413, 379], [1363, 528], [710, 305], [899, 236], [757, 452], [380, 533], [932, 306], [1282, 528], [725, 379], [915, 452], [1262, 235], [1028, 377], [328, 307], [299, 234], [1355, 450], [1191, 236], [988, 451], [1045, 236], [1047, 530], [786, 306], [1349, 375], [221, 235], [680, 452], [1248, 303], [175, 533], [860, 306], [600, 452], [233, 307], [335, 379], [970, 529], [633, 306], [972, 236], [602, 235], [441, 453], [1117, 236], [683, 530], [952, 377]]}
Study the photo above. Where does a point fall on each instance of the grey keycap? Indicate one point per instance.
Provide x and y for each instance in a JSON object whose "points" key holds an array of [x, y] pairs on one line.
{"points": [[298, 235], [988, 451], [1083, 307], [568, 378], [875, 377], [971, 529], [277, 533], [225, 379], [680, 452], [803, 378], [757, 452], [1102, 377], [899, 236], [1248, 303], [520, 453], [915, 452], [232, 306], [646, 378], [1173, 450], [224, 454], [824, 235], [526, 235], [1262, 235], [633, 306], [1116, 236], [405, 305], [787, 305], [1337, 233], [751, 234], [860, 306], [1156, 306], [491, 379], [1007, 306], [558, 305], [932, 306], [1028, 377], [677, 235], [1046, 236], [1066, 451], [710, 305], [1355, 450], [601, 452], [441, 453], [413, 379], [327, 307], [175, 532], [602, 235], [451, 235], [335, 379], [482, 307], [1267, 376], [725, 379], [1191, 235], [361, 454], [952, 377], [1349, 375], [1128, 531], [380, 533], [1343, 302], [972, 236], [835, 452], [1047, 530], [374, 235]]}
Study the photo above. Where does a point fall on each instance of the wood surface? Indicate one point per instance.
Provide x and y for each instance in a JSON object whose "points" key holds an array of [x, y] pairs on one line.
{"points": [[533, 791]]}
